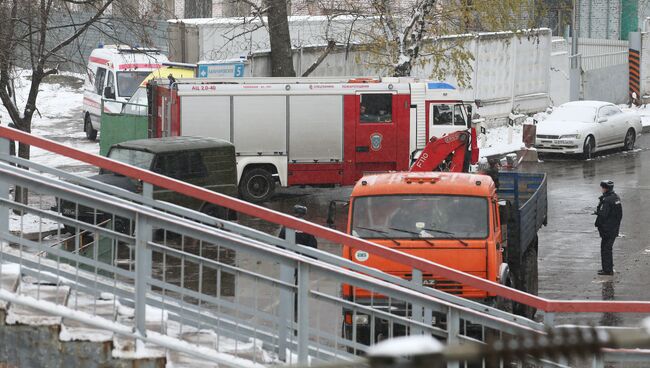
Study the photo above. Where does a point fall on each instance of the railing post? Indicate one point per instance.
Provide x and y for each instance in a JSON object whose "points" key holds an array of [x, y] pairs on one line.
{"points": [[416, 309], [142, 273], [4, 189], [286, 306], [598, 362], [303, 313], [549, 319], [453, 330]]}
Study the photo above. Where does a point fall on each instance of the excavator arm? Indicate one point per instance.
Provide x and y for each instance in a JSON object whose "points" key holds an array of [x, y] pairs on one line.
{"points": [[453, 152]]}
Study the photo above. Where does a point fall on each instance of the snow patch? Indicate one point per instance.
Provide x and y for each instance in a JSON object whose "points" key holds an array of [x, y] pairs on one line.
{"points": [[406, 346], [30, 223], [643, 111]]}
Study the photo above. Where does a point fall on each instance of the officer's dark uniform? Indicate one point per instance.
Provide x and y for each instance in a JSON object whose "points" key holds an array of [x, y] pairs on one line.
{"points": [[301, 238], [608, 222]]}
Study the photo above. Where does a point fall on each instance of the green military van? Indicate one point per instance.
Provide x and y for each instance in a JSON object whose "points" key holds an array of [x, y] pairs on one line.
{"points": [[205, 162]]}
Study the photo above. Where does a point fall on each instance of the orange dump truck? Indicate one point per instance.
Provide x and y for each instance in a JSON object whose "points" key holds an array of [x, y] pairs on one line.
{"points": [[456, 219]]}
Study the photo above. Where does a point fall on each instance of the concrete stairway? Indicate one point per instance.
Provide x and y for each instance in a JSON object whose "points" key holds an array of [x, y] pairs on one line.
{"points": [[63, 341]]}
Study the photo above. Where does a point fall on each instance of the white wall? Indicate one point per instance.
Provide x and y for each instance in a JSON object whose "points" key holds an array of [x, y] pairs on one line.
{"points": [[507, 71], [559, 73]]}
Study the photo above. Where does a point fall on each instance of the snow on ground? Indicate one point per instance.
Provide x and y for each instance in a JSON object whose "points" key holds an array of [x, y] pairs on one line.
{"points": [[58, 118], [30, 224], [496, 142]]}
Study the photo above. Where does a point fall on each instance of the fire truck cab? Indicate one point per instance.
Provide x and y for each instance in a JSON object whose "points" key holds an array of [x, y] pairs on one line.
{"points": [[310, 131]]}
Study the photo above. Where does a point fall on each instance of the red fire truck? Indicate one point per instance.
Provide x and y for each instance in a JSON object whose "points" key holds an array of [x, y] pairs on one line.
{"points": [[309, 131]]}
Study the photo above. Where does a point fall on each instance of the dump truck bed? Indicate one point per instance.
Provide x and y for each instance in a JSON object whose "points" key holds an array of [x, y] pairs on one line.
{"points": [[526, 193]]}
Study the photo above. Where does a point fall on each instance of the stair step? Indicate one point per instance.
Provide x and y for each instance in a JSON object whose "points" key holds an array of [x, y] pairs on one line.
{"points": [[124, 347], [203, 338], [9, 276], [104, 307], [18, 314]]}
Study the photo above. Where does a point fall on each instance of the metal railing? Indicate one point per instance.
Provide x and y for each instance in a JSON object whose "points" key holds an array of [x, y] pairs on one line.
{"points": [[199, 273]]}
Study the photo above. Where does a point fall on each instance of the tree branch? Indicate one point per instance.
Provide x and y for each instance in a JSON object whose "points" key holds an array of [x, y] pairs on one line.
{"points": [[80, 31], [330, 46]]}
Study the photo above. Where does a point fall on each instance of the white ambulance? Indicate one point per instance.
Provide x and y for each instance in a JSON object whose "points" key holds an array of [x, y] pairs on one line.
{"points": [[114, 73]]}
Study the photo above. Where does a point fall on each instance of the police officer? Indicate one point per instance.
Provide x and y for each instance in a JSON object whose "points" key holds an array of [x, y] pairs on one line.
{"points": [[608, 221]]}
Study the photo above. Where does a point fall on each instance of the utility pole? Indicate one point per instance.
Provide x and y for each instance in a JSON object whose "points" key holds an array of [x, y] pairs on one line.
{"points": [[574, 72]]}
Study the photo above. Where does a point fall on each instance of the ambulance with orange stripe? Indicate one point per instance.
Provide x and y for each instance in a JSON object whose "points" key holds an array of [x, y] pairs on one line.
{"points": [[114, 73]]}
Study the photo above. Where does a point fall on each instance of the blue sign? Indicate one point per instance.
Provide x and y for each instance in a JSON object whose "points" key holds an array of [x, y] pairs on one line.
{"points": [[227, 70], [439, 85]]}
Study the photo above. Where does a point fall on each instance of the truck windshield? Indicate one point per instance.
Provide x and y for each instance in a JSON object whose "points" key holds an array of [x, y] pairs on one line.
{"points": [[137, 103], [128, 82], [421, 216], [140, 159]]}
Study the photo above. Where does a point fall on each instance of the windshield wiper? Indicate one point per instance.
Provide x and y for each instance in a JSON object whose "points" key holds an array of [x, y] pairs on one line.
{"points": [[450, 235], [380, 232], [413, 233]]}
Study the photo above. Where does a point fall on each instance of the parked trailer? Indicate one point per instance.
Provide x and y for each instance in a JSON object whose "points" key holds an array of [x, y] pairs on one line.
{"points": [[309, 131]]}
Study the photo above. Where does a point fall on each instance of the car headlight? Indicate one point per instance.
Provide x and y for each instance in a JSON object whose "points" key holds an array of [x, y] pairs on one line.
{"points": [[570, 136], [361, 319]]}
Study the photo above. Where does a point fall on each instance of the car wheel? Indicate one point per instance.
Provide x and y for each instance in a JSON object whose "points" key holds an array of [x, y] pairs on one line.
{"points": [[589, 148], [630, 140], [257, 185], [91, 133]]}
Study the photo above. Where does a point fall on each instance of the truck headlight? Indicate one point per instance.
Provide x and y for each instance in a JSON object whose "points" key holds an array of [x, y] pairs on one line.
{"points": [[361, 319], [570, 136]]}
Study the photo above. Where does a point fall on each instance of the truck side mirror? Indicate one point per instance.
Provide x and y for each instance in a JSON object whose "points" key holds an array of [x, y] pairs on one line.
{"points": [[109, 92]]}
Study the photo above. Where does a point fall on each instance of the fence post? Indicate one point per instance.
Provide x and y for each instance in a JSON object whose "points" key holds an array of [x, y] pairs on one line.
{"points": [[142, 273], [416, 309], [286, 306], [303, 313]]}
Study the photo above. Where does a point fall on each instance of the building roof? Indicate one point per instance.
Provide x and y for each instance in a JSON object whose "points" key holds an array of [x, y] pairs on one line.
{"points": [[175, 144], [424, 183]]}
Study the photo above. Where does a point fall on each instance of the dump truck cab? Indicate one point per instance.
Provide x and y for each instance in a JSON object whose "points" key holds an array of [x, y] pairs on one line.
{"points": [[447, 218]]}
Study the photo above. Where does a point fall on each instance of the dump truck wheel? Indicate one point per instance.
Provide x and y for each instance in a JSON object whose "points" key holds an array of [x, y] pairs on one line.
{"points": [[528, 281]]}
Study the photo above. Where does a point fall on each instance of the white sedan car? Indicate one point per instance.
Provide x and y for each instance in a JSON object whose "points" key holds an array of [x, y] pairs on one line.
{"points": [[586, 127]]}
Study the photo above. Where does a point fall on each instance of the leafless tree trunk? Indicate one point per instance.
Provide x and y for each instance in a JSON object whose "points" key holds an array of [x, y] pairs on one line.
{"points": [[278, 26]]}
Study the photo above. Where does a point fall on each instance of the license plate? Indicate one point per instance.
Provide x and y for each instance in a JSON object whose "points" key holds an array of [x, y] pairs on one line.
{"points": [[69, 211], [564, 142]]}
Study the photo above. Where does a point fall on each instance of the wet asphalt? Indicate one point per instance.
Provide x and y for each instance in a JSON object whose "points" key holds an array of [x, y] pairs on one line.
{"points": [[569, 247]]}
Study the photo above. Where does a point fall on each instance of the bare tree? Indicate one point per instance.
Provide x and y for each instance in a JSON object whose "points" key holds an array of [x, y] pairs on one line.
{"points": [[408, 33], [280, 39], [37, 37]]}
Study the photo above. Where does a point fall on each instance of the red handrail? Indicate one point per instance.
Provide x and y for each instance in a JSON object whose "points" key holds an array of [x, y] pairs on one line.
{"points": [[547, 305]]}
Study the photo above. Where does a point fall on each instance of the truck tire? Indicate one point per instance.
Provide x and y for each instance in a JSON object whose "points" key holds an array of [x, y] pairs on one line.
{"points": [[257, 185], [528, 281], [91, 133], [504, 304]]}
